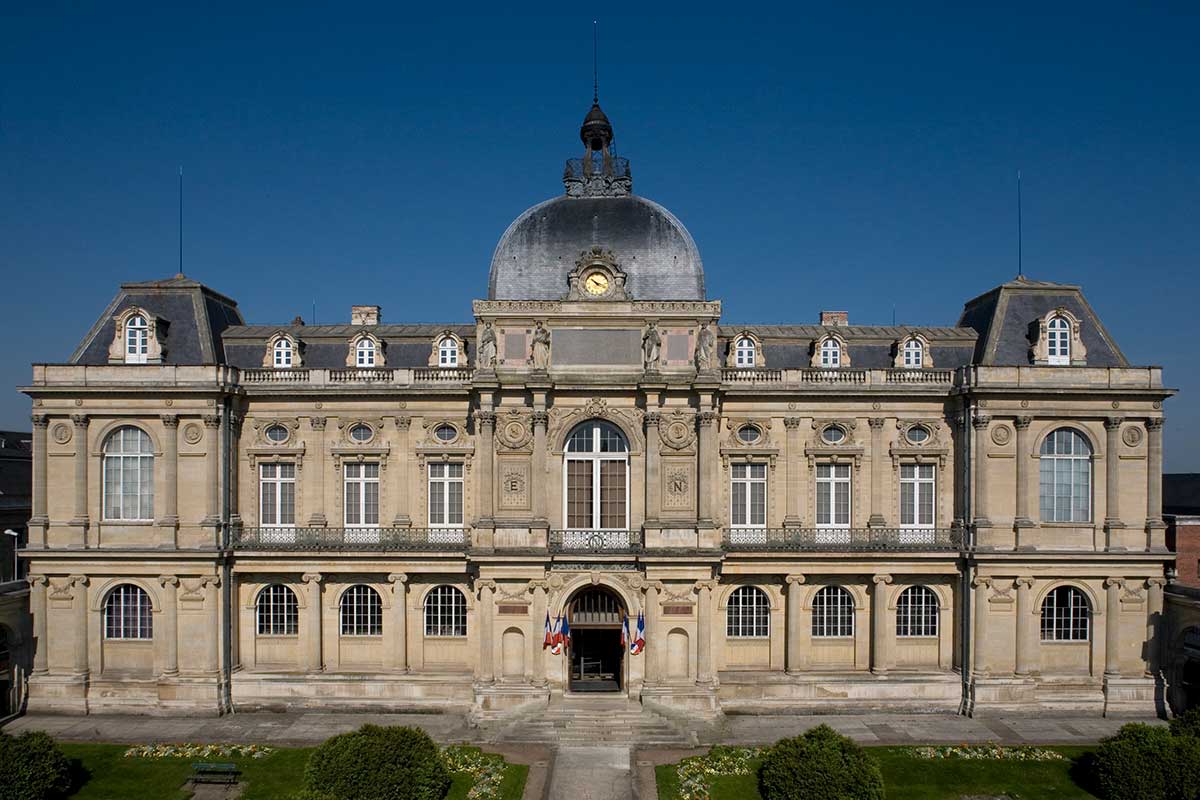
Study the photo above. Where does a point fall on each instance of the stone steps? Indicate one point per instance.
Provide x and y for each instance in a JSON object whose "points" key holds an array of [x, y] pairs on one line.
{"points": [[578, 721]]}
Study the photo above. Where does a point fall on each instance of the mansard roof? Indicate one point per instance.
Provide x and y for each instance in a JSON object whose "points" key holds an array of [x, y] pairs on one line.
{"points": [[1007, 316], [195, 317], [325, 345], [789, 346]]}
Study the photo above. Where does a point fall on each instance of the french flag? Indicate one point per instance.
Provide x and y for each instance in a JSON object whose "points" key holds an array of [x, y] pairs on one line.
{"points": [[625, 630], [549, 638], [565, 634], [639, 641], [556, 637]]}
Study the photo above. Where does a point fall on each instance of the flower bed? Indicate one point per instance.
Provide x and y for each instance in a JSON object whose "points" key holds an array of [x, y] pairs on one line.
{"points": [[989, 752], [199, 751], [486, 769], [696, 773]]}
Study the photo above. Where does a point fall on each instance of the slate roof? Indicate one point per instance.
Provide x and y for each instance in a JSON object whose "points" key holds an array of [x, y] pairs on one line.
{"points": [[325, 346], [1006, 318], [871, 346]]}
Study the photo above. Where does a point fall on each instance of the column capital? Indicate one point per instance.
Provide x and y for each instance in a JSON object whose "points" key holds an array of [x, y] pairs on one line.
{"points": [[489, 585], [40, 420], [791, 423], [1024, 580], [210, 580], [1155, 423], [168, 580], [402, 422], [316, 423], [540, 418], [78, 580], [876, 423], [881, 579], [170, 420], [710, 585], [312, 577], [981, 582], [212, 420], [981, 421], [653, 418], [1113, 423], [1110, 582], [536, 585], [36, 580], [1152, 582], [795, 580], [1022, 423], [485, 419], [707, 418], [397, 579], [79, 420]]}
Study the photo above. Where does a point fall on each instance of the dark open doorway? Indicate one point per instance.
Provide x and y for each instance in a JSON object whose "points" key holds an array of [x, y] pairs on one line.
{"points": [[597, 657]]}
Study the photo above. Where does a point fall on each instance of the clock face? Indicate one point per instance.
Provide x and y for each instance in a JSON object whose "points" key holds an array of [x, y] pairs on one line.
{"points": [[596, 283]]}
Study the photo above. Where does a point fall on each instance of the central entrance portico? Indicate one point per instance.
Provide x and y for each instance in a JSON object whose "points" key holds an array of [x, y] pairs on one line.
{"points": [[596, 658]]}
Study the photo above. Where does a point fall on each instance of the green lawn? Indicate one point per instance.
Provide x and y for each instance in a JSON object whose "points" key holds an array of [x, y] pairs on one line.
{"points": [[108, 775], [909, 778]]}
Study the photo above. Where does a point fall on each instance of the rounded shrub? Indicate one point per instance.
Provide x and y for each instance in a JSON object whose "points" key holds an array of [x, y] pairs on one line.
{"points": [[34, 767], [1187, 723], [1136, 763], [821, 764], [378, 763], [1183, 769]]}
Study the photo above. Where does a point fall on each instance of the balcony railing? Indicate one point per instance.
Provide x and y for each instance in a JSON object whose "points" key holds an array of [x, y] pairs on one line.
{"points": [[595, 542], [841, 377], [440, 539], [371, 376], [836, 540]]}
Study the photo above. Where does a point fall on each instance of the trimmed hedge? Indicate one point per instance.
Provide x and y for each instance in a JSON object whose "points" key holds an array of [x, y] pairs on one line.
{"points": [[378, 763], [821, 764], [33, 767], [1144, 762]]}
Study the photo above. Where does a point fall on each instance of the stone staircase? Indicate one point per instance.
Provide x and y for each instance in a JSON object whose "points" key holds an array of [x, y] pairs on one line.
{"points": [[582, 721]]}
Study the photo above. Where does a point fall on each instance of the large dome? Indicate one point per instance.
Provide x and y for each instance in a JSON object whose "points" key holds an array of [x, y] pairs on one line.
{"points": [[537, 253]]}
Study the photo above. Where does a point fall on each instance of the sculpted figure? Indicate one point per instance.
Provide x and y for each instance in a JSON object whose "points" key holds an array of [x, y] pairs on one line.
{"points": [[651, 346], [539, 350], [485, 357], [705, 344]]}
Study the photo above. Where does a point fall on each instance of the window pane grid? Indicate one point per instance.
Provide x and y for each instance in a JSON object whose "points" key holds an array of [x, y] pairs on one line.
{"points": [[445, 612], [833, 495], [278, 611], [596, 476], [1065, 477], [748, 613], [128, 475], [361, 612], [445, 494], [917, 612], [832, 613], [361, 489], [128, 614], [748, 496], [1066, 616], [277, 490]]}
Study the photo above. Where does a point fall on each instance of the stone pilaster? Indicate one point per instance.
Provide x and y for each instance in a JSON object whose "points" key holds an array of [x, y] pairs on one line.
{"points": [[1154, 461], [37, 605], [80, 421], [170, 502], [80, 602], [980, 423], [1024, 460], [485, 425], [878, 465], [704, 633], [708, 421], [1112, 626], [398, 469], [39, 514], [653, 463], [212, 461], [537, 653], [1026, 651], [880, 655], [212, 604], [1155, 625], [1112, 475], [170, 624], [540, 419], [486, 615], [795, 624], [399, 582], [979, 665], [314, 659], [653, 637], [794, 514], [316, 517]]}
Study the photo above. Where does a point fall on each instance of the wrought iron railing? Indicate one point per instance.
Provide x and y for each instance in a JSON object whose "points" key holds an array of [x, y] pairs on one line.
{"points": [[595, 541], [450, 539], [620, 166], [842, 539]]}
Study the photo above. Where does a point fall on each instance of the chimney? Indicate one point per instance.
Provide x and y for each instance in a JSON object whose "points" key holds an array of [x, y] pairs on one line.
{"points": [[364, 315], [835, 319]]}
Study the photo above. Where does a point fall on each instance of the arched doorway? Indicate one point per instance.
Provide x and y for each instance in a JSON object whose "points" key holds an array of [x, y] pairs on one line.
{"points": [[596, 658]]}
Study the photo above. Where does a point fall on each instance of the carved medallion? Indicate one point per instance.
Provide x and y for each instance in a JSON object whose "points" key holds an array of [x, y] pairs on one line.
{"points": [[192, 433], [1001, 435], [62, 433], [1132, 436], [513, 431], [678, 430]]}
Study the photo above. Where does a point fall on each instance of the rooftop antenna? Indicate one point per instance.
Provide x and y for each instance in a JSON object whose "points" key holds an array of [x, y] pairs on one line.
{"points": [[595, 72], [181, 220], [1020, 263]]}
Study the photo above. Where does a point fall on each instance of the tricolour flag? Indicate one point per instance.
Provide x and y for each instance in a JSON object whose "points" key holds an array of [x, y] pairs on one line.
{"points": [[639, 640], [549, 637], [556, 638], [624, 630], [566, 632]]}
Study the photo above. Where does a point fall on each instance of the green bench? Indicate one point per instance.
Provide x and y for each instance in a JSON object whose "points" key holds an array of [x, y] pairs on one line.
{"points": [[214, 772]]}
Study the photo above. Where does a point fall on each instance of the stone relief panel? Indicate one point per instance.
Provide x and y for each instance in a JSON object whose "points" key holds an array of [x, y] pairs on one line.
{"points": [[514, 484], [679, 485]]}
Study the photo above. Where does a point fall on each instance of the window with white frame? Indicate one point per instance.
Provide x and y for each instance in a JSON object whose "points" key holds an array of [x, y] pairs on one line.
{"points": [[748, 496], [596, 478], [832, 613], [743, 353], [448, 352], [128, 613], [917, 502], [831, 353], [277, 611], [914, 353], [137, 340], [1066, 616], [748, 613], [916, 612], [445, 612], [361, 612], [1058, 344], [445, 495], [833, 502], [277, 495], [283, 353], [364, 353], [128, 475], [1065, 477], [361, 493]]}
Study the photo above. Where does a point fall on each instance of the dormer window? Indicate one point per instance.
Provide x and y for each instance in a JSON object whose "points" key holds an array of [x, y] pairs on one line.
{"points": [[137, 340], [283, 354], [744, 352], [914, 354], [1058, 341], [282, 351], [364, 353], [447, 352], [831, 353]]}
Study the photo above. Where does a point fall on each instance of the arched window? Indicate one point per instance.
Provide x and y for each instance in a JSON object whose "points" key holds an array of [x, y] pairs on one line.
{"points": [[831, 353], [748, 613], [917, 612], [1058, 344], [277, 611], [283, 354], [128, 475], [361, 612], [914, 354], [445, 612], [1066, 477], [597, 478], [832, 613], [448, 352], [137, 340], [744, 352], [128, 613], [1066, 616], [364, 353]]}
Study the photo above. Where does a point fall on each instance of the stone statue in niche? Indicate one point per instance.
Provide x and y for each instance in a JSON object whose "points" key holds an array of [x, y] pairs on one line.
{"points": [[706, 343], [485, 357], [651, 346], [539, 349]]}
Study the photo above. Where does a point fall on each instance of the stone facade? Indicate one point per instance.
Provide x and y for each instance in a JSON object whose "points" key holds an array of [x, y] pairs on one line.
{"points": [[816, 517]]}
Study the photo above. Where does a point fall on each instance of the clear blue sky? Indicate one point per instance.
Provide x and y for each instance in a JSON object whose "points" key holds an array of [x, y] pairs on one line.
{"points": [[822, 158]]}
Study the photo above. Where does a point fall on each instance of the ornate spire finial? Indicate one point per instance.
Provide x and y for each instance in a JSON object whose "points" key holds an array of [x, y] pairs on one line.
{"points": [[595, 72]]}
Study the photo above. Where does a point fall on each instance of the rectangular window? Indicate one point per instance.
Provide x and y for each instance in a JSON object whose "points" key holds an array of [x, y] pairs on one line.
{"points": [[362, 494], [917, 502], [445, 495], [748, 496], [277, 497], [833, 502], [579, 494]]}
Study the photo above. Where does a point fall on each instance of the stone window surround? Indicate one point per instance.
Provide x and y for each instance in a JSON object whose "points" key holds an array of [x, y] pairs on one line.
{"points": [[926, 353], [843, 349], [156, 332], [1039, 352], [268, 361], [435, 350]]}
